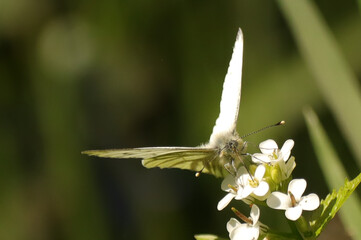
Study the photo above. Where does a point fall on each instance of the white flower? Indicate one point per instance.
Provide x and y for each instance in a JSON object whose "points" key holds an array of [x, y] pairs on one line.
{"points": [[271, 153], [244, 231], [243, 185], [293, 202]]}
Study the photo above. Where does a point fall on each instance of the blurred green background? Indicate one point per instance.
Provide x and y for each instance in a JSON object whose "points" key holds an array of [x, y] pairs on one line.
{"points": [[80, 75]]}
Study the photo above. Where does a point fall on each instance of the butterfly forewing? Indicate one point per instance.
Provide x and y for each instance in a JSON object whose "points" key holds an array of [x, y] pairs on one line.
{"points": [[231, 94]]}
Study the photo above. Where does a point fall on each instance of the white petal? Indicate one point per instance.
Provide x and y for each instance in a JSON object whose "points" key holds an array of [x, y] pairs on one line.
{"points": [[244, 232], [293, 213], [241, 171], [268, 146], [290, 165], [225, 201], [297, 188], [278, 200], [232, 224], [310, 202], [286, 149], [246, 191], [255, 212], [253, 233], [229, 180], [243, 179], [260, 158], [259, 173], [262, 189]]}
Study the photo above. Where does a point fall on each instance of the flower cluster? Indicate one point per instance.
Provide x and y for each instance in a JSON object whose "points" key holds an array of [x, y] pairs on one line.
{"points": [[266, 180]]}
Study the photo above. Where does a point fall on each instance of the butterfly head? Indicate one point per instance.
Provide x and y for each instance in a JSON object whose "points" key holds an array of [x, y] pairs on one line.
{"points": [[233, 149]]}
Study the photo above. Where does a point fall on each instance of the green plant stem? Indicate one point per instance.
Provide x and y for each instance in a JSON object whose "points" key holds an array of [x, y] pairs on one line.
{"points": [[282, 236], [304, 228]]}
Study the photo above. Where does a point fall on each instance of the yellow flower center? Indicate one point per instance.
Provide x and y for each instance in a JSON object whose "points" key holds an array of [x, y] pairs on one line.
{"points": [[275, 154], [233, 187], [253, 182]]}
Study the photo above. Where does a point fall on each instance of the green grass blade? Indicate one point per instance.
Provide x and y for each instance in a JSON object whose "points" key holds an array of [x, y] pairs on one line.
{"points": [[334, 173], [336, 80]]}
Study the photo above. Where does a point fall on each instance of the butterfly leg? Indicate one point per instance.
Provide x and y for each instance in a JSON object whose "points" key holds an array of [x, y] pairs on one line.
{"points": [[230, 167], [245, 166], [253, 156], [244, 146], [233, 165]]}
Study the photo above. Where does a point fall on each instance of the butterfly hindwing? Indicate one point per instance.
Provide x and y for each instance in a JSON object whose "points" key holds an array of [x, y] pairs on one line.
{"points": [[145, 152], [183, 158], [190, 158]]}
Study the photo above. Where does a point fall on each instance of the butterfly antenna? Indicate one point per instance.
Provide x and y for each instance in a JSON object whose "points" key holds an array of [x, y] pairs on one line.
{"points": [[199, 172], [264, 128]]}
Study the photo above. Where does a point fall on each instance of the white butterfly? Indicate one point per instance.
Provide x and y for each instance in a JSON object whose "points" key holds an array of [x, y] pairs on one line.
{"points": [[224, 147]]}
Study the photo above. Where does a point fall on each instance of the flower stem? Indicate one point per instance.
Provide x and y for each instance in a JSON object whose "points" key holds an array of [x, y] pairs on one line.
{"points": [[304, 229]]}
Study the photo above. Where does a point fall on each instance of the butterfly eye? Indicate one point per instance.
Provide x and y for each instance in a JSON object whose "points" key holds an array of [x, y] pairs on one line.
{"points": [[232, 146]]}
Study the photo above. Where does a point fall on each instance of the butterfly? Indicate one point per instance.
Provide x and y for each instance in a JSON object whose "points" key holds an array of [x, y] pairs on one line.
{"points": [[224, 151]]}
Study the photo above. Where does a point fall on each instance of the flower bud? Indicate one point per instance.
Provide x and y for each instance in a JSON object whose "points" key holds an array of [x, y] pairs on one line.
{"points": [[276, 174]]}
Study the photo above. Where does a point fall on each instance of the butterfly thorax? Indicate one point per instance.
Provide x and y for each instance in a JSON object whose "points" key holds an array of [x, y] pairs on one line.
{"points": [[233, 148], [233, 151], [230, 149]]}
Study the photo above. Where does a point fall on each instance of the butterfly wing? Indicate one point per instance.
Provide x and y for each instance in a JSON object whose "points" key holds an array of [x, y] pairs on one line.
{"points": [[207, 156], [190, 158], [231, 95], [146, 152]]}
